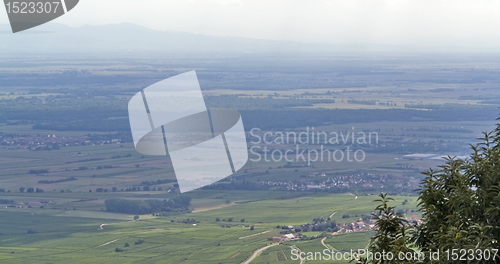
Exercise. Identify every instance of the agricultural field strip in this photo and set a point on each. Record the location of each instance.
(256, 234)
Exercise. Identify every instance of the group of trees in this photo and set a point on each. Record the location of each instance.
(157, 182)
(131, 189)
(38, 171)
(138, 242)
(460, 205)
(57, 181)
(180, 204)
(237, 185)
(30, 190)
(227, 219)
(330, 226)
(318, 224)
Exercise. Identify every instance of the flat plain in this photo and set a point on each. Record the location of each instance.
(65, 133)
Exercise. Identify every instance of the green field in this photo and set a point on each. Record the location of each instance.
(74, 236)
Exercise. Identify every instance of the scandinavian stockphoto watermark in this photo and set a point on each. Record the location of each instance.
(170, 118)
(205, 145)
(26, 14)
(310, 146)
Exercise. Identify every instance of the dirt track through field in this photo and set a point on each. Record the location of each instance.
(323, 242)
(208, 208)
(257, 252)
(256, 234)
(300, 251)
(107, 243)
(333, 214)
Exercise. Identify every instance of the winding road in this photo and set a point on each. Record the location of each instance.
(323, 242)
(333, 214)
(257, 252)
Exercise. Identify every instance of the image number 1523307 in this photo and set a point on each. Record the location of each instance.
(33, 7)
(31, 13)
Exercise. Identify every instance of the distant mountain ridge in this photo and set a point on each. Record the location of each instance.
(132, 39)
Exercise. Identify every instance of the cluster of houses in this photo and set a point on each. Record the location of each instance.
(360, 180)
(343, 228)
(285, 238)
(358, 226)
(28, 204)
(415, 219)
(49, 142)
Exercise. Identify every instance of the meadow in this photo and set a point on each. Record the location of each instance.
(67, 117)
(60, 237)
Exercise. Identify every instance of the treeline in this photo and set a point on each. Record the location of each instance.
(110, 115)
(6, 201)
(362, 102)
(68, 113)
(132, 189)
(177, 204)
(157, 182)
(330, 226)
(38, 171)
(57, 181)
(417, 147)
(85, 160)
(292, 118)
(103, 125)
(119, 156)
(244, 103)
(244, 185)
(318, 224)
(31, 190)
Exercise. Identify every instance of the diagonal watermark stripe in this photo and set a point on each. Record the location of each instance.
(170, 117)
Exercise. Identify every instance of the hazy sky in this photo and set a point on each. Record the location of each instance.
(424, 22)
